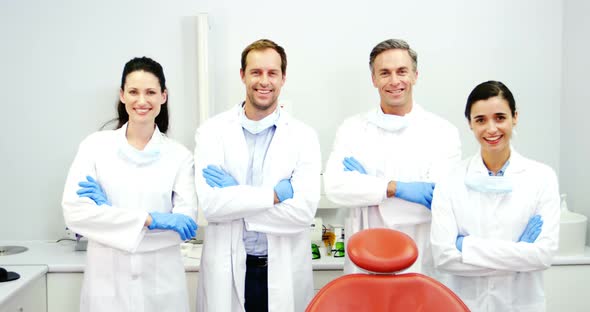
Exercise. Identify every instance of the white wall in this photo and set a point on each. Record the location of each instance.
(575, 150)
(61, 65)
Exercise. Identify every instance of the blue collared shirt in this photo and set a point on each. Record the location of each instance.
(255, 242)
(501, 171)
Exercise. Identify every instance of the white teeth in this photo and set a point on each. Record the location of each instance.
(264, 91)
(142, 110)
(493, 138)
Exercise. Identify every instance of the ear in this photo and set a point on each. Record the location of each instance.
(515, 119)
(415, 77)
(164, 96)
(121, 96)
(242, 75)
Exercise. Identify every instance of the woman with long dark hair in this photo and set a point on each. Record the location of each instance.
(131, 192)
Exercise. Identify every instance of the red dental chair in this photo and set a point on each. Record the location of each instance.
(384, 252)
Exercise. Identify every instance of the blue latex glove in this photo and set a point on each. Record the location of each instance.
(216, 177)
(284, 190)
(459, 242)
(182, 224)
(92, 190)
(532, 230)
(351, 164)
(416, 192)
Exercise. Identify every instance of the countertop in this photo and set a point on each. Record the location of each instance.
(61, 257)
(28, 273)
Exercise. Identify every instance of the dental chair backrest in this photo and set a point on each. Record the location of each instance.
(384, 252)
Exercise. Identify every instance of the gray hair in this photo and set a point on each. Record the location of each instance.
(390, 44)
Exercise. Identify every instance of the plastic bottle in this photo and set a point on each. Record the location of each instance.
(339, 250)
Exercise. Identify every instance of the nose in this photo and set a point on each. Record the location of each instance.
(141, 99)
(394, 79)
(264, 79)
(492, 127)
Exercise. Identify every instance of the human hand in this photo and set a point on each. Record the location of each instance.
(92, 190)
(284, 190)
(182, 224)
(416, 192)
(532, 230)
(459, 242)
(351, 164)
(216, 177)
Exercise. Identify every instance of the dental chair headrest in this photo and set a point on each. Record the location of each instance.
(382, 250)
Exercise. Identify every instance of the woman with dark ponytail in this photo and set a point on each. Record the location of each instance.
(131, 192)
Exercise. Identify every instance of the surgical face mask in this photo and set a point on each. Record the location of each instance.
(257, 126)
(147, 156)
(391, 123)
(489, 184)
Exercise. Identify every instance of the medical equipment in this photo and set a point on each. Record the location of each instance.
(351, 164)
(459, 242)
(182, 224)
(572, 231)
(416, 192)
(489, 184)
(385, 252)
(284, 190)
(216, 177)
(92, 190)
(329, 239)
(339, 246)
(532, 230)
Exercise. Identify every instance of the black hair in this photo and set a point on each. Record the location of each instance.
(486, 90)
(145, 64)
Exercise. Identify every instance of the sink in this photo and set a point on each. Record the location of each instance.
(11, 250)
(572, 231)
(572, 234)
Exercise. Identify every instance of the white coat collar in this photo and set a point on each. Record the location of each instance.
(517, 163)
(282, 120)
(149, 154)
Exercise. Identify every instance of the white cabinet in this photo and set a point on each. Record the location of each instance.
(63, 291)
(321, 278)
(32, 298)
(566, 288)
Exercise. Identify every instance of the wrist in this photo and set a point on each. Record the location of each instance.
(148, 220)
(391, 189)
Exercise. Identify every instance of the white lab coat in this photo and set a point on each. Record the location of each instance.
(495, 272)
(293, 152)
(129, 268)
(424, 151)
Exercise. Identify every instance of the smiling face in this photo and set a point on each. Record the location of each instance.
(263, 79)
(491, 121)
(394, 76)
(142, 96)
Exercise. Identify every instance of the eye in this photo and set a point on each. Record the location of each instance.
(501, 118)
(403, 72)
(151, 92)
(133, 92)
(383, 74)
